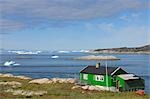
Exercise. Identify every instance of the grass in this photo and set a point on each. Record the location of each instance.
(63, 91)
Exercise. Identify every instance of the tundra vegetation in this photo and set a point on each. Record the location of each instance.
(20, 87)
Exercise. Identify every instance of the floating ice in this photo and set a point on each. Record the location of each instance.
(25, 52)
(11, 63)
(63, 52)
(54, 56)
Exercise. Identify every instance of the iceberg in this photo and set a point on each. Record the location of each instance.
(11, 63)
(54, 56)
(63, 52)
(25, 52)
(84, 51)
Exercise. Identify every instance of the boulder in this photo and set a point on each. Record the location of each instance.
(76, 86)
(85, 87)
(23, 77)
(140, 92)
(71, 80)
(10, 75)
(6, 75)
(63, 80)
(26, 93)
(11, 83)
(54, 80)
(92, 88)
(40, 81)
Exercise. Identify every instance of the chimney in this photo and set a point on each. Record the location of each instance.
(97, 65)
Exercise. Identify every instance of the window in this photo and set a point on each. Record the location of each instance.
(113, 79)
(99, 78)
(85, 76)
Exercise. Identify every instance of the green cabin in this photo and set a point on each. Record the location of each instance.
(115, 79)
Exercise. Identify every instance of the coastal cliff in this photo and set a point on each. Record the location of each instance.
(126, 50)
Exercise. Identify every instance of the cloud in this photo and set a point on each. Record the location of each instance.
(107, 27)
(9, 25)
(35, 12)
(131, 34)
(131, 17)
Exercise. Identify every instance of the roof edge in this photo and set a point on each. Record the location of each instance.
(115, 70)
(83, 69)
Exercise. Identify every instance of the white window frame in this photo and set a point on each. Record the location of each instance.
(85, 76)
(99, 78)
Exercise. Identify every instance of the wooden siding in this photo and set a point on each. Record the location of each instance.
(91, 80)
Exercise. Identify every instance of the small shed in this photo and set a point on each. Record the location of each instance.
(115, 79)
(129, 82)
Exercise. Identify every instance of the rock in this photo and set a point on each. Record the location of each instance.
(71, 80)
(54, 80)
(49, 82)
(140, 92)
(63, 80)
(40, 81)
(23, 77)
(60, 80)
(10, 75)
(17, 92)
(93, 57)
(85, 87)
(92, 88)
(26, 93)
(14, 84)
(40, 93)
(6, 75)
(75, 87)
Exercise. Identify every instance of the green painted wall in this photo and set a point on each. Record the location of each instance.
(125, 86)
(91, 80)
(122, 82)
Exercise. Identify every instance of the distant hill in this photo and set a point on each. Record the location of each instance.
(143, 49)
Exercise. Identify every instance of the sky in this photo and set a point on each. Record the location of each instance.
(73, 24)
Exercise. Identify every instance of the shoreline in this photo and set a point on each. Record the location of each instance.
(56, 88)
(101, 52)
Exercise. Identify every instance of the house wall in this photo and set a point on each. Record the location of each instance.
(91, 80)
(122, 82)
(126, 87)
(134, 85)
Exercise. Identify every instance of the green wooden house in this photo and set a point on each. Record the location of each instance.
(115, 79)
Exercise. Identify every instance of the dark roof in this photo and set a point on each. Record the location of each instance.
(135, 83)
(101, 70)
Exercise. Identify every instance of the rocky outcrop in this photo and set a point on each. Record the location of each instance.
(10, 75)
(14, 84)
(76, 86)
(96, 88)
(138, 50)
(40, 81)
(53, 80)
(26, 93)
(64, 80)
(93, 57)
(23, 77)
(6, 75)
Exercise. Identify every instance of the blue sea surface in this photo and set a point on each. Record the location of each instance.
(42, 65)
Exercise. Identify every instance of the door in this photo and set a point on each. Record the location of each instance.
(118, 86)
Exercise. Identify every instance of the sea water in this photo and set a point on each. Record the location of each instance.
(42, 65)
